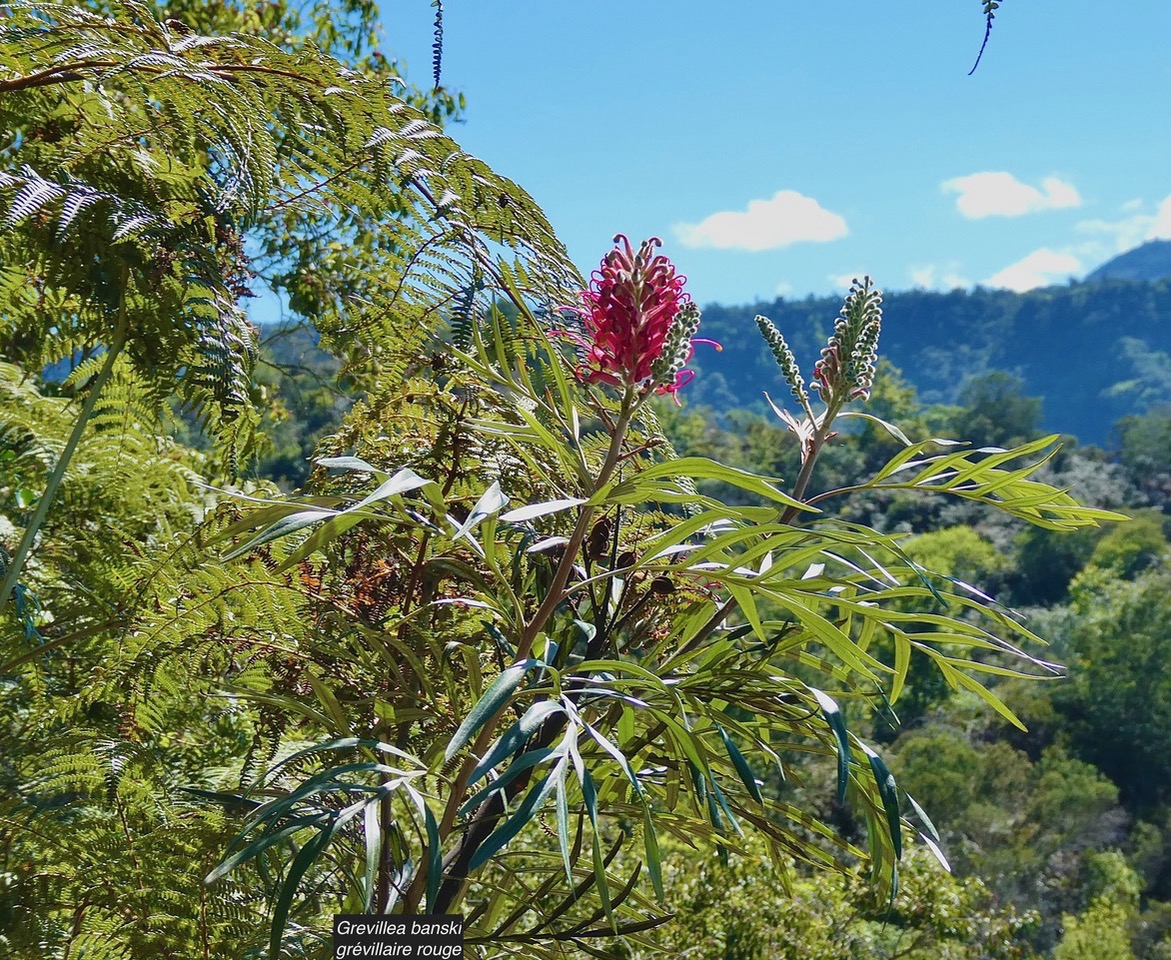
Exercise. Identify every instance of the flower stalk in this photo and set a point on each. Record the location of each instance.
(844, 372)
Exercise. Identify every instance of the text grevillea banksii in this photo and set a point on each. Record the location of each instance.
(638, 323)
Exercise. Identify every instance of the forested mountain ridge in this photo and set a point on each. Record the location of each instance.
(1151, 261)
(1094, 351)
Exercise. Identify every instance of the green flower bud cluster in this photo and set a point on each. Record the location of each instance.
(863, 312)
(849, 359)
(677, 348)
(783, 355)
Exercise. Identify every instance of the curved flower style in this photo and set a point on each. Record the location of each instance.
(638, 321)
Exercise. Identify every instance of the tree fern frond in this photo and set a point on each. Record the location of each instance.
(342, 152)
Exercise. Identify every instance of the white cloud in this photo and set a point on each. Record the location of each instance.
(1129, 232)
(1000, 194)
(936, 277)
(784, 288)
(843, 281)
(1160, 228)
(1039, 269)
(1119, 234)
(788, 218)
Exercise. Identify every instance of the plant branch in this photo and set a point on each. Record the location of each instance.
(16, 565)
(486, 815)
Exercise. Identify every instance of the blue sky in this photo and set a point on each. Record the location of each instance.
(780, 148)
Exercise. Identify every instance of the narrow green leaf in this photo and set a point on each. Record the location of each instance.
(625, 725)
(372, 832)
(837, 722)
(515, 737)
(349, 743)
(491, 501)
(532, 511)
(743, 769)
(601, 881)
(654, 860)
(698, 781)
(297, 869)
(987, 696)
(282, 528)
(404, 481)
(524, 762)
(922, 815)
(902, 664)
(514, 824)
(589, 794)
(349, 463)
(231, 802)
(696, 468)
(886, 425)
(262, 843)
(563, 819)
(936, 851)
(434, 858)
(618, 756)
(723, 802)
(494, 698)
(889, 791)
(842, 645)
(746, 599)
(904, 457)
(326, 533)
(327, 699)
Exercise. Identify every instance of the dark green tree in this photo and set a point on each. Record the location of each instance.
(1118, 704)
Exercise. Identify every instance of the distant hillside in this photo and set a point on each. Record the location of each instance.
(1151, 261)
(1094, 351)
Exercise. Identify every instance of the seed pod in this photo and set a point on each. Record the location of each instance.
(598, 543)
(627, 559)
(662, 585)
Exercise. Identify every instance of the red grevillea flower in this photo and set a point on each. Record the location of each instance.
(629, 314)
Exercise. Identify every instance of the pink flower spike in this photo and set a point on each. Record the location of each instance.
(627, 314)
